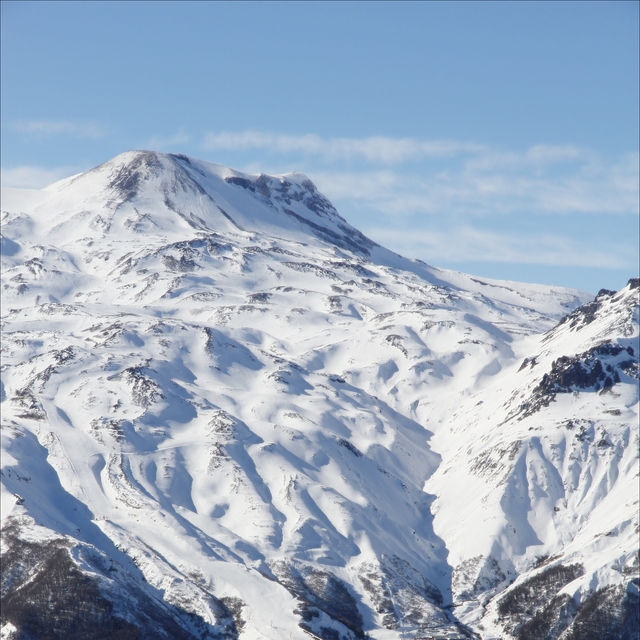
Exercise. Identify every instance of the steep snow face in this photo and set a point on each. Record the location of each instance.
(549, 456)
(221, 401)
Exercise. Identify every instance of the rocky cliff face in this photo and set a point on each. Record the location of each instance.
(227, 413)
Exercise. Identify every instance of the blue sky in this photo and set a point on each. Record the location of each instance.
(500, 139)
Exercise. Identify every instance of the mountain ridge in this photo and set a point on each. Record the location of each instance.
(263, 417)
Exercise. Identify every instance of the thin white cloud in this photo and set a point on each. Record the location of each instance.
(537, 158)
(47, 128)
(470, 179)
(376, 149)
(476, 189)
(31, 177)
(379, 188)
(464, 243)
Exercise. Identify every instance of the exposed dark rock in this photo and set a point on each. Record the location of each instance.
(631, 368)
(180, 156)
(354, 267)
(347, 445)
(401, 593)
(320, 590)
(581, 372)
(240, 182)
(476, 575)
(29, 405)
(496, 461)
(47, 596)
(127, 180)
(528, 362)
(587, 313)
(350, 239)
(335, 304)
(380, 596)
(263, 185)
(549, 622)
(260, 298)
(396, 341)
(216, 248)
(307, 267)
(144, 390)
(597, 369)
(583, 315)
(609, 614)
(279, 190)
(111, 426)
(181, 265)
(534, 606)
(234, 607)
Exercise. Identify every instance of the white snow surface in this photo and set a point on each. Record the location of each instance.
(216, 373)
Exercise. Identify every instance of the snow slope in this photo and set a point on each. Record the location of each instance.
(222, 402)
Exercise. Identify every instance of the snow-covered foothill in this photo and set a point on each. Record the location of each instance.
(228, 413)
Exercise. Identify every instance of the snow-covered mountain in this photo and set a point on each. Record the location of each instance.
(228, 413)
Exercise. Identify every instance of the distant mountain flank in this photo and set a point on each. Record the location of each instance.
(227, 413)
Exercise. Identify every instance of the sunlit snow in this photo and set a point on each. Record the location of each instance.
(214, 380)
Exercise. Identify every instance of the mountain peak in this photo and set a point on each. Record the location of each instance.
(225, 403)
(158, 192)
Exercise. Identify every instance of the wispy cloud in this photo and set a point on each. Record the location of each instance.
(477, 188)
(537, 158)
(31, 177)
(47, 128)
(376, 149)
(465, 242)
(415, 176)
